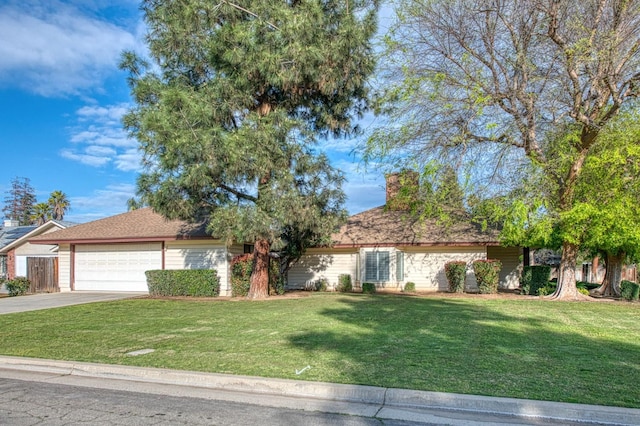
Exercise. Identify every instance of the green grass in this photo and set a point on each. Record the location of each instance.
(572, 352)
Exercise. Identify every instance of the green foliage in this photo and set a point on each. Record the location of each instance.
(583, 290)
(18, 286)
(487, 275)
(321, 284)
(228, 115)
(409, 287)
(629, 290)
(547, 289)
(456, 272)
(344, 283)
(368, 288)
(241, 269)
(533, 278)
(183, 282)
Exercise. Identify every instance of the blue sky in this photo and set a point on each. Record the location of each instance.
(62, 97)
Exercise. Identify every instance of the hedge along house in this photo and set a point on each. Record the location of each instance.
(113, 254)
(390, 247)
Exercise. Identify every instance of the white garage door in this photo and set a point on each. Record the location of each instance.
(115, 267)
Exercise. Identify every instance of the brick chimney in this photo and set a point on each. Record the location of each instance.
(402, 189)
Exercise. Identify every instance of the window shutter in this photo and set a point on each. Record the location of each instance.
(383, 266)
(399, 266)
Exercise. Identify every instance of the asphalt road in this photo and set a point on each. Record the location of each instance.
(26, 403)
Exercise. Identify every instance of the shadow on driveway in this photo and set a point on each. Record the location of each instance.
(34, 302)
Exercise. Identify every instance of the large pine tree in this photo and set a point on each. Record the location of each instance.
(228, 115)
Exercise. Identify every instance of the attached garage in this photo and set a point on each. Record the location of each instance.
(115, 267)
(113, 254)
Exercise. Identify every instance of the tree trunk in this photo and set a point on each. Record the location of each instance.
(260, 276)
(567, 289)
(613, 275)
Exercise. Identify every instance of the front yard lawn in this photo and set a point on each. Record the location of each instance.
(572, 352)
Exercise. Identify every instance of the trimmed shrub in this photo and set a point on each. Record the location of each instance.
(487, 275)
(456, 272)
(630, 290)
(534, 278)
(409, 287)
(318, 285)
(18, 286)
(344, 283)
(241, 268)
(368, 288)
(183, 282)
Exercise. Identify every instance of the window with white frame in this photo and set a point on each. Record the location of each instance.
(376, 266)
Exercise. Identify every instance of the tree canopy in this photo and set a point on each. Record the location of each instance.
(228, 115)
(491, 85)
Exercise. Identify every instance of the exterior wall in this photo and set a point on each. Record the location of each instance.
(425, 265)
(64, 267)
(511, 265)
(323, 263)
(11, 264)
(200, 255)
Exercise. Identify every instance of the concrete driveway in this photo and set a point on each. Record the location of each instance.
(34, 302)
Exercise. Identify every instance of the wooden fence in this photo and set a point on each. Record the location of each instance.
(43, 274)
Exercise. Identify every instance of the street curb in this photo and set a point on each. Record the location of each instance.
(388, 400)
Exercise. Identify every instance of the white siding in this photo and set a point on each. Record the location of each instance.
(425, 265)
(64, 267)
(327, 264)
(511, 265)
(200, 255)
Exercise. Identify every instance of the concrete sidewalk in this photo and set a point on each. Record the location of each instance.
(369, 401)
(34, 302)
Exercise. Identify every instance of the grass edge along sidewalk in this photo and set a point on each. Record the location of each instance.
(367, 401)
(532, 349)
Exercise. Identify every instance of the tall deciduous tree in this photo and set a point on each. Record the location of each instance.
(19, 201)
(239, 93)
(606, 214)
(491, 81)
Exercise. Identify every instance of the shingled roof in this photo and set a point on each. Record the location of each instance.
(137, 225)
(383, 227)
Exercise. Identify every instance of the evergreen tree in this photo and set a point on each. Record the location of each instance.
(19, 201)
(228, 117)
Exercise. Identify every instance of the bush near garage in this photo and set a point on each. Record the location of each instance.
(18, 286)
(184, 282)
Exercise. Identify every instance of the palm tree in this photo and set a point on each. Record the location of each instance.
(59, 205)
(41, 214)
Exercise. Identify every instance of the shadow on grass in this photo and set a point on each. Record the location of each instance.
(524, 349)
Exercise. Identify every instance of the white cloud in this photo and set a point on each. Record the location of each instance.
(101, 203)
(56, 49)
(99, 140)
